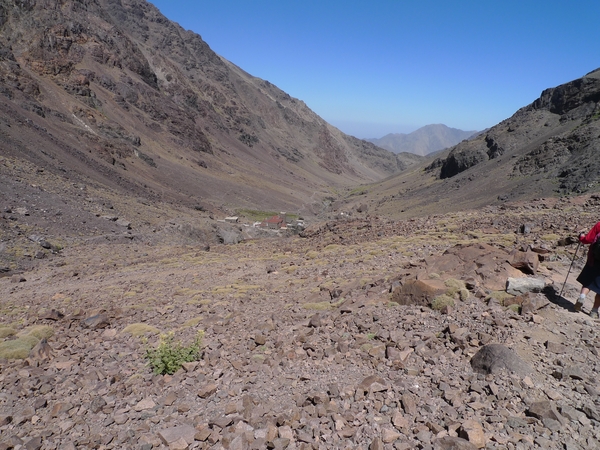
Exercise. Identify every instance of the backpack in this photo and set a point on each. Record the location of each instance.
(595, 250)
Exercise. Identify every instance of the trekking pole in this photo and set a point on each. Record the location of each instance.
(574, 256)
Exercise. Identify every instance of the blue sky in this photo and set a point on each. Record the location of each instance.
(392, 66)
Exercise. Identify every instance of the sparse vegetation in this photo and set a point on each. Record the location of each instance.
(6, 331)
(168, 357)
(256, 215)
(20, 347)
(192, 322)
(500, 296)
(441, 301)
(140, 329)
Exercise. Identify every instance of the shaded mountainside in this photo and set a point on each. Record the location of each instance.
(114, 93)
(425, 140)
(547, 148)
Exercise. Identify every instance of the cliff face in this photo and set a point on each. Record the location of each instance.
(113, 91)
(558, 135)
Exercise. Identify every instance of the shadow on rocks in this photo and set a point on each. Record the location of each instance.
(552, 294)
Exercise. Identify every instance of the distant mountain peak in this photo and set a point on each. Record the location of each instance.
(428, 139)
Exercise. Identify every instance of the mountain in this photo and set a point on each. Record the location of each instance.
(548, 148)
(112, 92)
(425, 140)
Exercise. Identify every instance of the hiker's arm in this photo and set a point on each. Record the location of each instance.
(590, 237)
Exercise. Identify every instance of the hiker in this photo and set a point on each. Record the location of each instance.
(590, 274)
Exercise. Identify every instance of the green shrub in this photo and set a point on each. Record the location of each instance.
(169, 356)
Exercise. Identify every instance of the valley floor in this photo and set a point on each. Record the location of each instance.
(302, 346)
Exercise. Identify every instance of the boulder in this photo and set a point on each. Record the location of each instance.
(517, 286)
(527, 262)
(493, 358)
(418, 292)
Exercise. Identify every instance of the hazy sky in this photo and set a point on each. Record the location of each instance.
(392, 66)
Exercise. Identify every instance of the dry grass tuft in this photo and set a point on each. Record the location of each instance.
(15, 349)
(37, 331)
(7, 331)
(139, 329)
(319, 306)
(193, 322)
(500, 296)
(441, 301)
(26, 339)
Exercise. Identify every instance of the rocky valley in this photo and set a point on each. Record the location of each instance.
(148, 300)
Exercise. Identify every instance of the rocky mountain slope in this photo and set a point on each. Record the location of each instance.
(548, 148)
(425, 140)
(364, 333)
(438, 332)
(111, 92)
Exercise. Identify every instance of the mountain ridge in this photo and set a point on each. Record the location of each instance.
(546, 149)
(423, 141)
(148, 107)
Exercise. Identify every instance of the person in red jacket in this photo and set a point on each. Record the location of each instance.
(590, 274)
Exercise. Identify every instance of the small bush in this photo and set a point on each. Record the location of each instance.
(38, 331)
(501, 296)
(26, 339)
(440, 301)
(312, 254)
(15, 349)
(515, 308)
(169, 356)
(454, 286)
(6, 331)
(463, 294)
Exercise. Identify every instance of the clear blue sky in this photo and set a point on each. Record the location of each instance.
(392, 66)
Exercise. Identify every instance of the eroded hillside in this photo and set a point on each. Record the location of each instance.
(115, 93)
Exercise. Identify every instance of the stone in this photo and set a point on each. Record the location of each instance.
(533, 303)
(399, 421)
(493, 358)
(453, 443)
(315, 321)
(545, 410)
(418, 292)
(144, 405)
(376, 444)
(207, 390)
(518, 286)
(389, 435)
(557, 348)
(472, 431)
(179, 444)
(183, 433)
(527, 262)
(409, 403)
(95, 322)
(33, 444)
